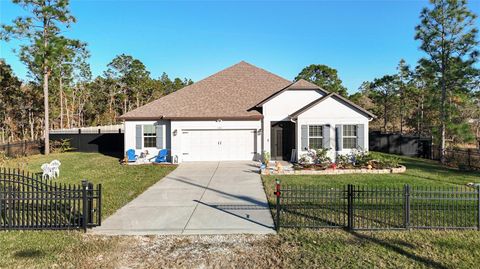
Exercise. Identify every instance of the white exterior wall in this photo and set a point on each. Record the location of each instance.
(332, 112)
(129, 136)
(179, 126)
(174, 142)
(280, 107)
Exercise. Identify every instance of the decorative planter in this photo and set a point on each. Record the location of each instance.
(330, 171)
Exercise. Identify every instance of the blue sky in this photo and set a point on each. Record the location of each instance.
(361, 39)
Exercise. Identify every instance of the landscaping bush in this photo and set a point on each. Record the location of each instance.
(60, 146)
(314, 159)
(318, 160)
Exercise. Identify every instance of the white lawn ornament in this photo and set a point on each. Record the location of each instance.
(47, 171)
(55, 167)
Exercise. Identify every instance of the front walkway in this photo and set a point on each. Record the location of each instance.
(197, 198)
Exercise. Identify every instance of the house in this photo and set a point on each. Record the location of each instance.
(242, 111)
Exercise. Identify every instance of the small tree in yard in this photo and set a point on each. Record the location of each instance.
(449, 37)
(42, 31)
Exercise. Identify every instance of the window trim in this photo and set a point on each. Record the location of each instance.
(314, 136)
(350, 136)
(149, 136)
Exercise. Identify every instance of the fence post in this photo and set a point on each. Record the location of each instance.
(469, 153)
(350, 207)
(8, 149)
(85, 205)
(277, 194)
(478, 208)
(90, 195)
(99, 204)
(406, 193)
(10, 206)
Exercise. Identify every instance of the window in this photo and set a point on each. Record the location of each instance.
(315, 136)
(149, 136)
(349, 136)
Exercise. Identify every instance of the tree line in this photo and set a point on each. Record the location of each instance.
(125, 85)
(60, 91)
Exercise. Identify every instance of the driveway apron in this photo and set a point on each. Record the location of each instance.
(197, 198)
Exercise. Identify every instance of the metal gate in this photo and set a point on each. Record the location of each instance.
(29, 202)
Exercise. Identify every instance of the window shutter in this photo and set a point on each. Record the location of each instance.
(339, 137)
(361, 137)
(304, 129)
(326, 136)
(138, 136)
(159, 132)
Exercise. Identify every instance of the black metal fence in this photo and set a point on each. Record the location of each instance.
(29, 202)
(22, 148)
(372, 208)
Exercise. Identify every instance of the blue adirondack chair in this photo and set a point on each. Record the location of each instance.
(161, 157)
(131, 156)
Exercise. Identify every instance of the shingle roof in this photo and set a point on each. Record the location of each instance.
(228, 94)
(297, 85)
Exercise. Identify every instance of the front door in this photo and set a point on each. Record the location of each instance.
(282, 140)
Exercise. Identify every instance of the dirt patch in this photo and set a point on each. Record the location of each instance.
(206, 251)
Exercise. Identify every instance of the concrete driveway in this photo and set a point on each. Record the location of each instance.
(197, 198)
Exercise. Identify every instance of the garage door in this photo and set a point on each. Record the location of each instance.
(218, 145)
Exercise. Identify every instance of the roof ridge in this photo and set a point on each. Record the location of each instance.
(263, 70)
(249, 82)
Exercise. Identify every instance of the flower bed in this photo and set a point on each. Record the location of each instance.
(330, 171)
(316, 162)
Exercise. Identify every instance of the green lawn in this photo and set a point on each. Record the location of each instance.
(380, 249)
(120, 184)
(419, 172)
(336, 248)
(291, 248)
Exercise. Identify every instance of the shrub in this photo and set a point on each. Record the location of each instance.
(60, 146)
(266, 157)
(380, 161)
(315, 156)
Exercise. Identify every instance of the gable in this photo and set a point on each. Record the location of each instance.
(333, 108)
(289, 101)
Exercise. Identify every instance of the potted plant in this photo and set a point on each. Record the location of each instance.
(266, 158)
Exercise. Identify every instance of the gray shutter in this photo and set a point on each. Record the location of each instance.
(339, 137)
(326, 136)
(138, 136)
(304, 129)
(159, 133)
(361, 136)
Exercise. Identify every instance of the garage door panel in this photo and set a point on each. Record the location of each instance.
(219, 145)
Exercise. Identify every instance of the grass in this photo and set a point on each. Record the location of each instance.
(420, 172)
(381, 249)
(337, 248)
(120, 184)
(291, 248)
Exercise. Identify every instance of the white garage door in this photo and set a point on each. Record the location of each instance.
(218, 145)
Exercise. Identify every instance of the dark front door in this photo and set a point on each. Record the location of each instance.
(282, 140)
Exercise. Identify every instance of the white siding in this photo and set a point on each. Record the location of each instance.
(283, 105)
(130, 136)
(174, 142)
(332, 112)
